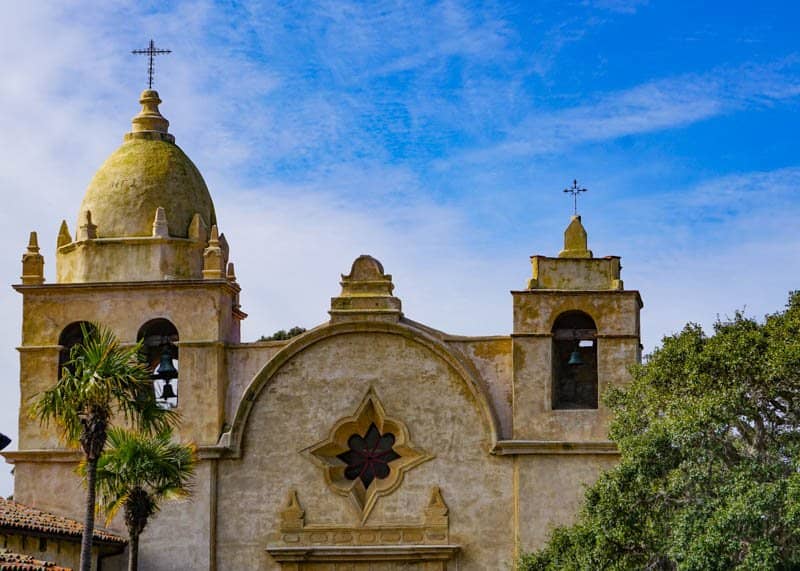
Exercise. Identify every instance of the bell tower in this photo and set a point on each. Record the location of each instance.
(576, 330)
(147, 260)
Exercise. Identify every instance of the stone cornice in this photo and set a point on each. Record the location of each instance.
(127, 285)
(365, 553)
(525, 447)
(580, 292)
(74, 456)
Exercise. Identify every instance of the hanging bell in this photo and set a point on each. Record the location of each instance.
(167, 392)
(166, 370)
(575, 358)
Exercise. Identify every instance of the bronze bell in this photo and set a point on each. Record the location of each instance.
(575, 358)
(167, 392)
(166, 369)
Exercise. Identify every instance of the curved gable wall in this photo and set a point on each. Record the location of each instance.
(295, 405)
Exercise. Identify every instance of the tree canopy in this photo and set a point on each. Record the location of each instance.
(709, 471)
(283, 335)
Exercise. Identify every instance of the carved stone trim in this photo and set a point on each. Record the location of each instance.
(369, 553)
(325, 454)
(427, 541)
(515, 447)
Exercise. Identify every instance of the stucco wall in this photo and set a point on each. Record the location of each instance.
(325, 383)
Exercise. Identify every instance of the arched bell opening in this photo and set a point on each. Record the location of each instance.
(159, 338)
(71, 335)
(574, 361)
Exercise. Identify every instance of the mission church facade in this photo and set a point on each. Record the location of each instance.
(370, 442)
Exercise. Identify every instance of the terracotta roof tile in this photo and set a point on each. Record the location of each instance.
(19, 516)
(10, 561)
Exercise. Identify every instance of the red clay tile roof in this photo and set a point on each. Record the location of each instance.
(14, 515)
(17, 562)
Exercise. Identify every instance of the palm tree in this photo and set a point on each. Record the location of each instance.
(137, 472)
(102, 382)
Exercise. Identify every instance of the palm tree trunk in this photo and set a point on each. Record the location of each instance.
(133, 551)
(88, 520)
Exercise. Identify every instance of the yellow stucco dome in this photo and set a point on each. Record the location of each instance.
(149, 170)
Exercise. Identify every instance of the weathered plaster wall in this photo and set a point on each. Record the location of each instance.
(551, 490)
(145, 259)
(325, 383)
(491, 357)
(50, 486)
(180, 535)
(244, 361)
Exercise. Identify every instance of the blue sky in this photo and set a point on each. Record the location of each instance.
(436, 136)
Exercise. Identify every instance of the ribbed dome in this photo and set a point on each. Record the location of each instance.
(146, 172)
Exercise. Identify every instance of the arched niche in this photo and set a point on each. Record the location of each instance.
(574, 361)
(71, 335)
(159, 338)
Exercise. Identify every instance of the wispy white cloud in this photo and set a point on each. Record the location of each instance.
(618, 6)
(650, 107)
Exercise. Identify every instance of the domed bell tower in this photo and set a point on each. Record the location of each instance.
(145, 259)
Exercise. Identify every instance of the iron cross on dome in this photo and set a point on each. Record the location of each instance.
(151, 52)
(575, 190)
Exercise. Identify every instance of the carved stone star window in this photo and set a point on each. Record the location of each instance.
(369, 456)
(366, 456)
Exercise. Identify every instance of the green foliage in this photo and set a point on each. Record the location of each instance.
(137, 472)
(101, 381)
(283, 335)
(709, 474)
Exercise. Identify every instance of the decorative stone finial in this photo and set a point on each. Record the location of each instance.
(213, 257)
(32, 263)
(226, 249)
(198, 231)
(86, 229)
(366, 293)
(575, 241)
(160, 228)
(231, 273)
(63, 235)
(292, 516)
(436, 512)
(149, 123)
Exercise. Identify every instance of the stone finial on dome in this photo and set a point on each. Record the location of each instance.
(198, 231)
(63, 235)
(150, 123)
(366, 293)
(160, 227)
(575, 241)
(87, 230)
(213, 257)
(32, 263)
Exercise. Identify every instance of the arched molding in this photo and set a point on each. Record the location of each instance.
(232, 440)
(577, 308)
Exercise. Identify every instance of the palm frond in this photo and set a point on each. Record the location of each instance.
(151, 463)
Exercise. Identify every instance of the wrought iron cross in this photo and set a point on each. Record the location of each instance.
(575, 191)
(151, 52)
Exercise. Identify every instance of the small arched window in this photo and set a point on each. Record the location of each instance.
(574, 361)
(71, 336)
(159, 339)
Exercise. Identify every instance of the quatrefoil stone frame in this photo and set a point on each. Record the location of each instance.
(325, 454)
